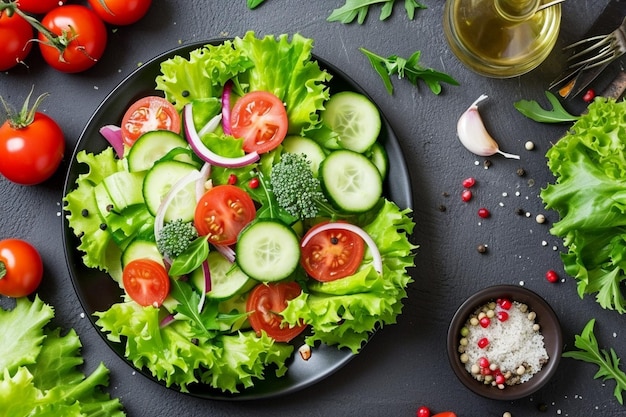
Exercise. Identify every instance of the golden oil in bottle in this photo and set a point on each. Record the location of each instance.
(501, 38)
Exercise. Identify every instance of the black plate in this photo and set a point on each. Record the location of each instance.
(97, 291)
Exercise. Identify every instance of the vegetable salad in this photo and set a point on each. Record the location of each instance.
(240, 286)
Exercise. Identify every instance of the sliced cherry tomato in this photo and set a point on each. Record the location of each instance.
(31, 146)
(16, 34)
(39, 6)
(146, 114)
(120, 12)
(332, 254)
(80, 38)
(264, 304)
(21, 268)
(146, 282)
(260, 119)
(222, 212)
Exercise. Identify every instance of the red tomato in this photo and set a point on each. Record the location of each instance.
(222, 212)
(16, 34)
(332, 254)
(120, 12)
(146, 282)
(146, 114)
(21, 268)
(81, 38)
(445, 414)
(39, 6)
(260, 119)
(30, 150)
(264, 304)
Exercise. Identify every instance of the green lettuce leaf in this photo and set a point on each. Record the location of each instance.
(201, 76)
(99, 249)
(589, 194)
(294, 78)
(345, 312)
(39, 368)
(179, 354)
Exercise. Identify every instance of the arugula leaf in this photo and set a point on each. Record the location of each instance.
(532, 110)
(358, 9)
(252, 4)
(407, 68)
(607, 361)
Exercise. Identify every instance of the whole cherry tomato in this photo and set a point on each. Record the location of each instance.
(120, 12)
(15, 34)
(31, 146)
(39, 6)
(21, 268)
(76, 41)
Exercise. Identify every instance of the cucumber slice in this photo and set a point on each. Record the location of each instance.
(141, 249)
(152, 146)
(158, 182)
(268, 250)
(354, 118)
(378, 156)
(351, 181)
(311, 149)
(124, 188)
(227, 279)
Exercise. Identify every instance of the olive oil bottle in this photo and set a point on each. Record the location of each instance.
(501, 38)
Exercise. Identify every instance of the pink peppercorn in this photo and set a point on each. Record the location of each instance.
(482, 343)
(483, 362)
(505, 303)
(503, 315)
(466, 195)
(469, 182)
(484, 322)
(483, 213)
(552, 276)
(423, 412)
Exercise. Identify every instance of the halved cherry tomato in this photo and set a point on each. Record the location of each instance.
(264, 304)
(120, 12)
(146, 114)
(260, 118)
(16, 34)
(21, 268)
(146, 282)
(222, 212)
(80, 38)
(332, 254)
(39, 6)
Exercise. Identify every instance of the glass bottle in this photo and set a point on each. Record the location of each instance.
(501, 38)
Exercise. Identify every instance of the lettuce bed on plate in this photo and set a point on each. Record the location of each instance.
(589, 164)
(212, 346)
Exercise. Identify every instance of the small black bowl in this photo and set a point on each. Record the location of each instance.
(550, 329)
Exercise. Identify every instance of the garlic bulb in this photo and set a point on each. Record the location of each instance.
(473, 134)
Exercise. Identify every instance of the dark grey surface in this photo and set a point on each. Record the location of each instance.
(405, 365)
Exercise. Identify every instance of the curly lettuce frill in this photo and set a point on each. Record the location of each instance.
(345, 312)
(589, 194)
(177, 355)
(82, 209)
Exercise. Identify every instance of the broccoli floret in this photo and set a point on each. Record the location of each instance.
(295, 187)
(175, 237)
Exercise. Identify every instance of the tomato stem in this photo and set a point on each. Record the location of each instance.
(60, 43)
(23, 118)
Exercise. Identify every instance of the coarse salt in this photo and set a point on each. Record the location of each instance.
(516, 346)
